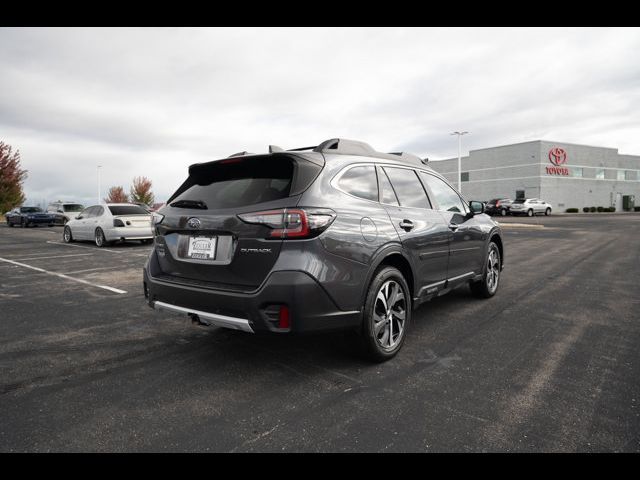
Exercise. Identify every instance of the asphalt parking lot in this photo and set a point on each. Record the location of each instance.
(552, 363)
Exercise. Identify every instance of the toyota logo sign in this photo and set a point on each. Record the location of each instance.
(557, 156)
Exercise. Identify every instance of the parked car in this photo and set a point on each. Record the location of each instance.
(498, 206)
(530, 207)
(108, 223)
(64, 211)
(337, 236)
(28, 216)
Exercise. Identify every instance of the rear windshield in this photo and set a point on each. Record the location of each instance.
(127, 210)
(73, 207)
(237, 182)
(30, 210)
(520, 200)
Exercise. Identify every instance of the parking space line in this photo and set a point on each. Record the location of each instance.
(83, 246)
(96, 249)
(62, 275)
(54, 256)
(92, 270)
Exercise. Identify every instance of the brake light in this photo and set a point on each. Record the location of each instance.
(498, 203)
(118, 223)
(292, 222)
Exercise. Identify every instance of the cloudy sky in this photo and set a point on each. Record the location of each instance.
(153, 101)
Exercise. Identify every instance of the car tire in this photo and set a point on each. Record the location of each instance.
(9, 224)
(530, 213)
(547, 212)
(488, 286)
(379, 340)
(147, 241)
(503, 212)
(100, 239)
(67, 235)
(24, 223)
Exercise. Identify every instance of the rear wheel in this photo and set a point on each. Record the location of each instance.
(9, 224)
(101, 241)
(503, 212)
(24, 223)
(488, 286)
(547, 212)
(387, 313)
(530, 213)
(67, 236)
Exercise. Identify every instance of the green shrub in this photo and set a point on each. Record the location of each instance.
(585, 209)
(572, 210)
(600, 209)
(636, 209)
(592, 209)
(610, 209)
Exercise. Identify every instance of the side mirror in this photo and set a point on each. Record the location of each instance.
(476, 207)
(60, 211)
(79, 217)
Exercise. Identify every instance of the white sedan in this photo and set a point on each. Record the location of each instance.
(110, 222)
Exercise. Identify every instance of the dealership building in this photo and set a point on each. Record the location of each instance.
(564, 174)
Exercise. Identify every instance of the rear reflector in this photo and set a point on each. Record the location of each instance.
(283, 317)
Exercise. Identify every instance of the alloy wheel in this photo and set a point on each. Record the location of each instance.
(493, 270)
(389, 314)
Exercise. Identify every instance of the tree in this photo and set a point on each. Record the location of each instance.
(141, 191)
(11, 178)
(116, 195)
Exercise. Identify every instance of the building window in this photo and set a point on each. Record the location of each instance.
(576, 171)
(630, 175)
(620, 174)
(464, 176)
(600, 173)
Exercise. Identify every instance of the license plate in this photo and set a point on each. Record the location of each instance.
(202, 248)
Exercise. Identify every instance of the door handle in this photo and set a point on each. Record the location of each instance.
(453, 226)
(406, 225)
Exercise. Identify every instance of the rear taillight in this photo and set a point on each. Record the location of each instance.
(498, 203)
(118, 223)
(292, 222)
(156, 218)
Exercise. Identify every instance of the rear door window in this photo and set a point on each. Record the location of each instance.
(407, 187)
(387, 195)
(360, 182)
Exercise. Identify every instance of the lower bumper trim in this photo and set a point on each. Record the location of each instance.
(207, 317)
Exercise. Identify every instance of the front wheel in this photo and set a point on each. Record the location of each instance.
(488, 286)
(503, 212)
(387, 313)
(25, 223)
(530, 213)
(67, 235)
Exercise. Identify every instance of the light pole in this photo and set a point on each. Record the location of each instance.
(99, 167)
(459, 134)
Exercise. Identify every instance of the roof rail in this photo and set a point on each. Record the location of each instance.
(344, 146)
(239, 154)
(275, 148)
(410, 157)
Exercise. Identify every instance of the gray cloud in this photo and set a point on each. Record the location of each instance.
(152, 101)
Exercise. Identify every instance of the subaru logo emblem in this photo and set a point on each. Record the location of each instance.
(194, 222)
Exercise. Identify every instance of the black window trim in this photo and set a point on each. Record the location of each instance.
(415, 172)
(336, 179)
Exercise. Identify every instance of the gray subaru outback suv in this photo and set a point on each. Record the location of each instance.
(337, 236)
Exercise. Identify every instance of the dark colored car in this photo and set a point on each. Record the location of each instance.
(27, 216)
(498, 206)
(337, 236)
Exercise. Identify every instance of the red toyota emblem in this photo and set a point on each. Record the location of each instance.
(557, 156)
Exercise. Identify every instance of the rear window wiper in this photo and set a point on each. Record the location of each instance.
(190, 204)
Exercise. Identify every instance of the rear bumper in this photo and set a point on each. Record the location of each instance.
(128, 233)
(310, 307)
